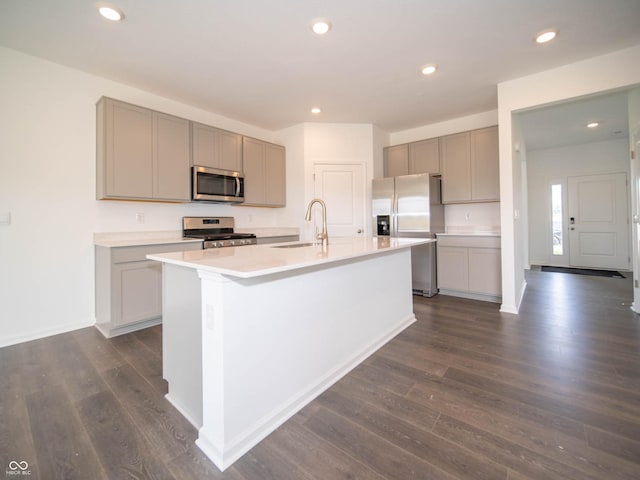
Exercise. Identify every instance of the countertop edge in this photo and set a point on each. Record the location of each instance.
(172, 258)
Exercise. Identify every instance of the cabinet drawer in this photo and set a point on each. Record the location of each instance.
(140, 252)
(472, 241)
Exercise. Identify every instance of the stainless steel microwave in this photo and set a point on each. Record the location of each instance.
(215, 185)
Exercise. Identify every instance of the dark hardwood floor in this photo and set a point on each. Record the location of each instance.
(464, 393)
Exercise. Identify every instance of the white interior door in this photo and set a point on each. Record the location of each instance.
(635, 210)
(598, 221)
(341, 187)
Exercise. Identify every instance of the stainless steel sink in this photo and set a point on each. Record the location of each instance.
(294, 245)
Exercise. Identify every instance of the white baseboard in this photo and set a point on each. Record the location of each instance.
(470, 295)
(47, 332)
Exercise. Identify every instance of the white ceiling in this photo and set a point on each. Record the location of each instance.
(258, 62)
(566, 123)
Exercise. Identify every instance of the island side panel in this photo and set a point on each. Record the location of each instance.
(182, 340)
(272, 344)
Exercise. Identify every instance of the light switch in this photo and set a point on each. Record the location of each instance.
(5, 218)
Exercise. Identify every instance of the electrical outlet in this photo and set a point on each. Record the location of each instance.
(5, 218)
(139, 217)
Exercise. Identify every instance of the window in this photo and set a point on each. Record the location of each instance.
(556, 219)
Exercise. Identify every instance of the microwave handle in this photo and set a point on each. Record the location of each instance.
(237, 187)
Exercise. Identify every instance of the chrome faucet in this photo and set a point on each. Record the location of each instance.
(323, 236)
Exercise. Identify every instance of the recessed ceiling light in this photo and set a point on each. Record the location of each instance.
(429, 69)
(546, 36)
(110, 12)
(320, 26)
(315, 110)
(592, 124)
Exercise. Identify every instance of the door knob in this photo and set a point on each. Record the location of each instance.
(359, 230)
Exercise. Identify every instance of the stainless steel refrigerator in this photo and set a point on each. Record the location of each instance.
(411, 206)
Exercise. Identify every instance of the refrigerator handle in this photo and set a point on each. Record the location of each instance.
(394, 216)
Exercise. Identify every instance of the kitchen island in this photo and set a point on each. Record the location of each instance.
(252, 334)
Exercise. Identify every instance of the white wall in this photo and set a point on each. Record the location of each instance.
(461, 124)
(339, 143)
(634, 146)
(472, 217)
(47, 184)
(552, 166)
(599, 74)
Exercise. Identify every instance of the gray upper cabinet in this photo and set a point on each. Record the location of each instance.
(468, 162)
(485, 167)
(410, 158)
(424, 156)
(171, 157)
(396, 160)
(216, 148)
(264, 173)
(456, 168)
(141, 154)
(470, 166)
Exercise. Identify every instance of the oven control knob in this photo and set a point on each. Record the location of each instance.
(232, 243)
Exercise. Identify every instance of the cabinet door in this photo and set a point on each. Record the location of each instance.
(456, 168)
(424, 156)
(230, 151)
(170, 157)
(485, 274)
(253, 153)
(275, 176)
(128, 150)
(137, 292)
(396, 160)
(453, 268)
(204, 145)
(485, 175)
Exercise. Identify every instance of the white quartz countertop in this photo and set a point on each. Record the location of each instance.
(259, 260)
(132, 239)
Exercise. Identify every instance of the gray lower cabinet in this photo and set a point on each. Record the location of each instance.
(470, 266)
(129, 287)
(141, 154)
(264, 173)
(216, 148)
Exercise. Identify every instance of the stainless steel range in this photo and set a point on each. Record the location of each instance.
(216, 232)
